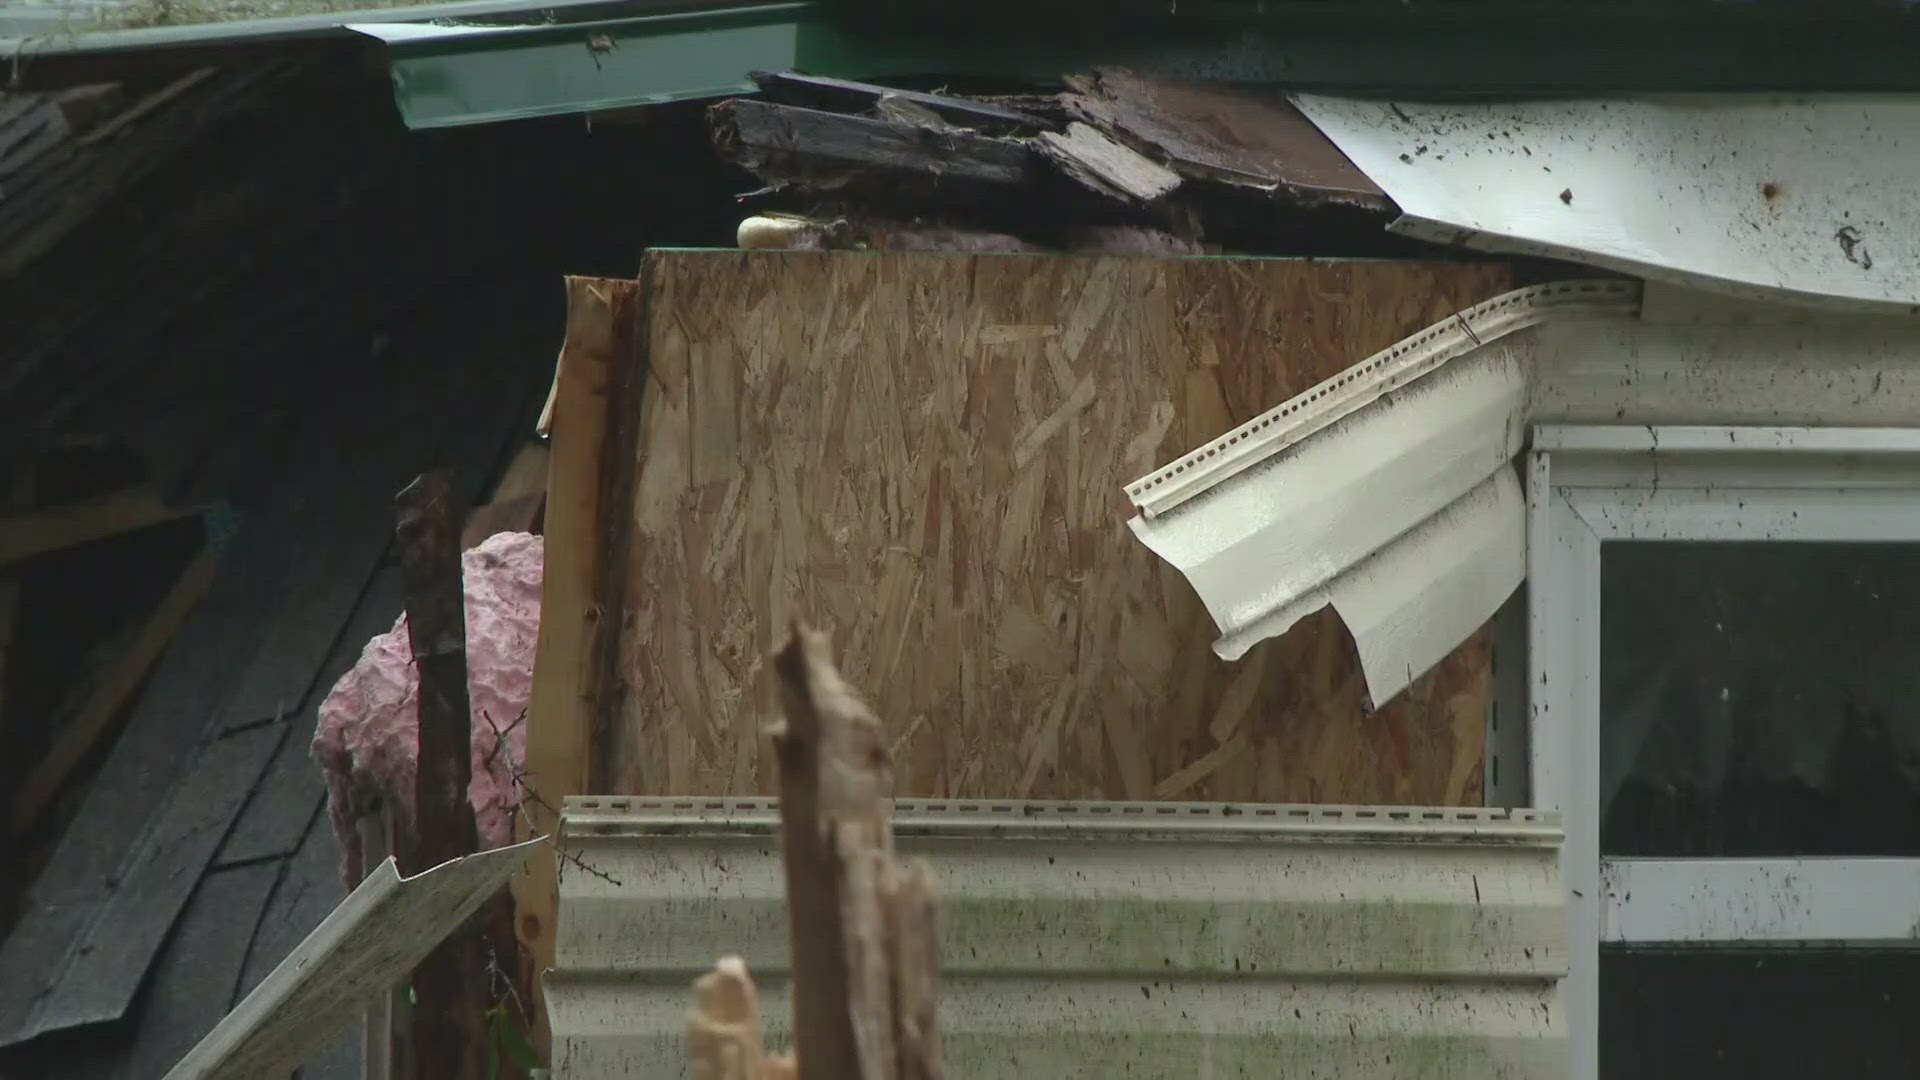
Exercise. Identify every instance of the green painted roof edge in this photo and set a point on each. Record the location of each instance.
(460, 75)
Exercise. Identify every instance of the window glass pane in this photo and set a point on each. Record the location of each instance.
(1790, 1014)
(1760, 699)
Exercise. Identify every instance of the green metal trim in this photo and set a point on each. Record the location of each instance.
(478, 77)
(449, 76)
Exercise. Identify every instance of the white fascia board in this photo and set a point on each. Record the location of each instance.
(1677, 439)
(1385, 491)
(1802, 199)
(1781, 901)
(1692, 366)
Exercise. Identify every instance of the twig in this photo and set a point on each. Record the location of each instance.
(517, 776)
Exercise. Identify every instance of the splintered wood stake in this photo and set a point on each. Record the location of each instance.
(723, 1031)
(866, 960)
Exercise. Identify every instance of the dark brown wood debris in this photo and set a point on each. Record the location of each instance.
(1157, 166)
(1101, 164)
(448, 1027)
(1249, 138)
(839, 95)
(826, 151)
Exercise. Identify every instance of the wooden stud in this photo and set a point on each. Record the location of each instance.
(36, 532)
(566, 665)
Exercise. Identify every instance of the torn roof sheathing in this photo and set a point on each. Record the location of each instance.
(1805, 199)
(1247, 137)
(1386, 491)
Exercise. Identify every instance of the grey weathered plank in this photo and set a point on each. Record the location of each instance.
(277, 816)
(278, 811)
(194, 978)
(259, 638)
(309, 891)
(88, 980)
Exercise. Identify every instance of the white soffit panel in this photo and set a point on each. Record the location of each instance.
(1385, 491)
(1695, 359)
(1151, 940)
(1804, 198)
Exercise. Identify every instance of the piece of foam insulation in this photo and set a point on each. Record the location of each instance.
(367, 740)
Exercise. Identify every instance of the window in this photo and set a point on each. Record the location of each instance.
(1724, 701)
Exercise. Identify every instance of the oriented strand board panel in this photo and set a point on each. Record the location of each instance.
(924, 454)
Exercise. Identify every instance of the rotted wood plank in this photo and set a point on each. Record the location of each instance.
(840, 95)
(785, 142)
(1102, 164)
(1246, 137)
(97, 974)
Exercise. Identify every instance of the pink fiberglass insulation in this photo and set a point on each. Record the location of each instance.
(367, 742)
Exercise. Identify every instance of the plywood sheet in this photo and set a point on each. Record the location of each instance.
(924, 454)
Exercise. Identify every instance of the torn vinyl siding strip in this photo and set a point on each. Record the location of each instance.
(1363, 383)
(1385, 491)
(1356, 512)
(1803, 199)
(1327, 505)
(1416, 600)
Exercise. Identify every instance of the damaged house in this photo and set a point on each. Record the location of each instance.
(1379, 539)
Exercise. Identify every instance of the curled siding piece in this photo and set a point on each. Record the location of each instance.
(1386, 491)
(1415, 601)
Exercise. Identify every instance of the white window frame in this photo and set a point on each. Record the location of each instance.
(1587, 485)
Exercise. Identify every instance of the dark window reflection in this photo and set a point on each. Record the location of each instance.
(1759, 1015)
(1760, 699)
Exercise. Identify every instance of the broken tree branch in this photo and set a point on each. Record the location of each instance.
(448, 1024)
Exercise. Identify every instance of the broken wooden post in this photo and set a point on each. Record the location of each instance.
(866, 963)
(449, 1034)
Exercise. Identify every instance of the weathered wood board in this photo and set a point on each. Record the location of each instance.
(924, 455)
